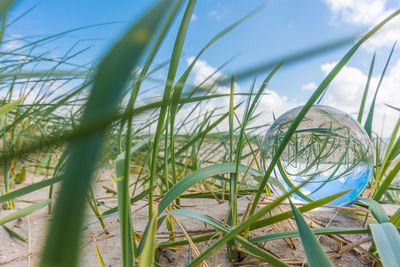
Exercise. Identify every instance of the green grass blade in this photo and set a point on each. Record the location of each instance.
(5, 6)
(368, 122)
(24, 212)
(173, 67)
(365, 94)
(190, 180)
(316, 231)
(387, 241)
(29, 189)
(9, 106)
(286, 215)
(132, 201)
(100, 260)
(149, 250)
(122, 172)
(240, 228)
(248, 247)
(376, 209)
(63, 242)
(388, 180)
(315, 254)
(14, 234)
(195, 177)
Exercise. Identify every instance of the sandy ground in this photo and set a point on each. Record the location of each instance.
(16, 253)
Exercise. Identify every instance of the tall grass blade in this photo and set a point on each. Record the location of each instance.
(315, 254)
(173, 67)
(62, 245)
(149, 250)
(365, 94)
(368, 122)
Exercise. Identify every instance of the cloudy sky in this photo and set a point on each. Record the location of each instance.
(279, 28)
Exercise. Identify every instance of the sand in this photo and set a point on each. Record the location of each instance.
(344, 249)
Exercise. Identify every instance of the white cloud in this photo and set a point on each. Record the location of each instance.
(367, 13)
(346, 90)
(271, 103)
(13, 42)
(202, 72)
(194, 17)
(309, 86)
(364, 12)
(214, 14)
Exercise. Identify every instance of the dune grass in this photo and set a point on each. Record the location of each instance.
(98, 120)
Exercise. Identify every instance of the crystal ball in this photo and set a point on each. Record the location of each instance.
(329, 150)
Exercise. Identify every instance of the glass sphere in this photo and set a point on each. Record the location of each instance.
(329, 149)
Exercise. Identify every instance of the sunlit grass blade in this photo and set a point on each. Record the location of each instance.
(9, 106)
(24, 212)
(365, 94)
(100, 260)
(368, 122)
(307, 207)
(250, 248)
(149, 250)
(122, 172)
(172, 70)
(315, 254)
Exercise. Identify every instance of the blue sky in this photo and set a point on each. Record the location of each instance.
(280, 27)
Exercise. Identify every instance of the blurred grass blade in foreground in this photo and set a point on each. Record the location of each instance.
(63, 241)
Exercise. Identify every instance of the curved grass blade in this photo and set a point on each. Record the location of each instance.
(376, 209)
(387, 241)
(190, 180)
(250, 248)
(197, 176)
(173, 67)
(243, 226)
(368, 122)
(315, 254)
(62, 246)
(393, 107)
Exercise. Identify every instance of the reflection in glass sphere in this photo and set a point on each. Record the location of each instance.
(328, 147)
